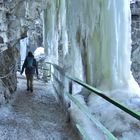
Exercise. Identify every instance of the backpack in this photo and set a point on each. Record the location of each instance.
(30, 62)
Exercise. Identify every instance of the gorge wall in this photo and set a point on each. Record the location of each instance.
(72, 38)
(18, 20)
(135, 28)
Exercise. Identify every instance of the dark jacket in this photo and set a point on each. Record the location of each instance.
(30, 70)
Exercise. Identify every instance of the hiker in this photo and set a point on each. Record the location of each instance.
(30, 66)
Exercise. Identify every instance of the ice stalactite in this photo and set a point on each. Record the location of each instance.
(23, 49)
(93, 39)
(50, 34)
(101, 29)
(116, 45)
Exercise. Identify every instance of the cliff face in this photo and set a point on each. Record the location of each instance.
(18, 19)
(9, 36)
(135, 57)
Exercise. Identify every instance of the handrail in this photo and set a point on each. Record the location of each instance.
(101, 94)
(82, 131)
(90, 116)
(108, 134)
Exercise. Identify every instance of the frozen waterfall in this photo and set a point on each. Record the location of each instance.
(115, 51)
(23, 49)
(93, 39)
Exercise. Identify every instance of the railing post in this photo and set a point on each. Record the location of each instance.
(68, 105)
(70, 86)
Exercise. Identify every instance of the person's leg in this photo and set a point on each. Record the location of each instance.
(31, 82)
(28, 79)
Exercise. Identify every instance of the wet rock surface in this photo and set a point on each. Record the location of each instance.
(135, 34)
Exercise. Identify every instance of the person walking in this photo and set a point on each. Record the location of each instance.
(30, 66)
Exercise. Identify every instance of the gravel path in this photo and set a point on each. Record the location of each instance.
(34, 116)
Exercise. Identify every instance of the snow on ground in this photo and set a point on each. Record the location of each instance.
(34, 116)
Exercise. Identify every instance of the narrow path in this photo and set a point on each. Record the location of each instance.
(34, 116)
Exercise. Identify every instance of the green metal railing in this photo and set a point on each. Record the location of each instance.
(90, 116)
(83, 132)
(84, 110)
(101, 94)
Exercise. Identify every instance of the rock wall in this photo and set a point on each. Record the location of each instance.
(8, 80)
(135, 57)
(10, 35)
(18, 19)
(33, 21)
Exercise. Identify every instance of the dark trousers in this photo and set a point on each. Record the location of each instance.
(29, 78)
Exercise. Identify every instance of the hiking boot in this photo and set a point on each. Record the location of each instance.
(31, 90)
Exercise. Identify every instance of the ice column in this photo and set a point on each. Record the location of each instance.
(23, 49)
(50, 33)
(116, 45)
